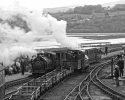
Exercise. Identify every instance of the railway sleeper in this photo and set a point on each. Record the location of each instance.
(109, 93)
(99, 82)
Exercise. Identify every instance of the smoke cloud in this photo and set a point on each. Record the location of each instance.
(9, 55)
(36, 24)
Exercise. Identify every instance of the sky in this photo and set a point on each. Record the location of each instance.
(40, 4)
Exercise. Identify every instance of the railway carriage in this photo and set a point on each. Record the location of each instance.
(93, 53)
(2, 83)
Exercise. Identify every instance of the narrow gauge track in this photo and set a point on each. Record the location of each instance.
(60, 92)
(62, 89)
(29, 80)
(115, 95)
(106, 92)
(93, 87)
(81, 92)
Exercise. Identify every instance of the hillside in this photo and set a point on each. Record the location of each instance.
(111, 4)
(55, 10)
(98, 20)
(64, 9)
(113, 22)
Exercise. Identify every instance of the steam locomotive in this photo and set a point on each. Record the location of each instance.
(66, 58)
(43, 63)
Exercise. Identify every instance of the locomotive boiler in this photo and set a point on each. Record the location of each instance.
(43, 63)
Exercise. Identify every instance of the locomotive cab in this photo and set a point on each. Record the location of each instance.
(76, 60)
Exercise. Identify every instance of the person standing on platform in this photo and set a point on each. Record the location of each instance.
(119, 56)
(116, 75)
(23, 65)
(18, 66)
(120, 63)
(106, 50)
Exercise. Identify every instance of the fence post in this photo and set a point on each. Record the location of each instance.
(112, 63)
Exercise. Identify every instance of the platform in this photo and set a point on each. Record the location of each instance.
(123, 77)
(111, 54)
(16, 76)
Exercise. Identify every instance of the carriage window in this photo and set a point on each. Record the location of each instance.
(76, 55)
(58, 56)
(87, 52)
(79, 53)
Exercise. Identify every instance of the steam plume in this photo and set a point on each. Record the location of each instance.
(8, 55)
(37, 25)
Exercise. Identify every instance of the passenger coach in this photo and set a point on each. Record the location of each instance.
(94, 54)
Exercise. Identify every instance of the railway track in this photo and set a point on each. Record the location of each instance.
(23, 81)
(114, 95)
(62, 89)
(83, 92)
(70, 86)
(95, 89)
(82, 89)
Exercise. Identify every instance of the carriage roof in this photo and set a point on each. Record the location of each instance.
(88, 48)
(56, 49)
